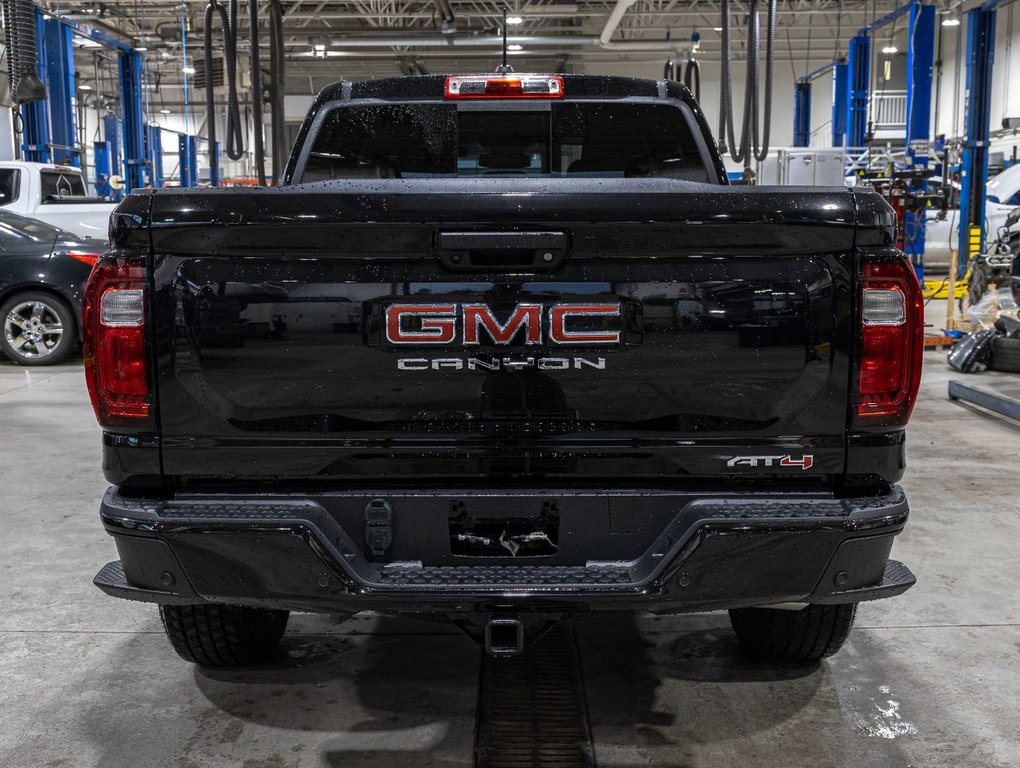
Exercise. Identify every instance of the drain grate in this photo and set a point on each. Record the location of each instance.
(532, 711)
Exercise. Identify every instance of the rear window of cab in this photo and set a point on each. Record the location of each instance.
(574, 139)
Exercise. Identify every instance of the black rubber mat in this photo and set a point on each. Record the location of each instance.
(532, 709)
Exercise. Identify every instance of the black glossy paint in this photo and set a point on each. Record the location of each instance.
(275, 382)
(32, 259)
(269, 332)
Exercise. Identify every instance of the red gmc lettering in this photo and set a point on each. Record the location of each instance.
(438, 323)
(527, 315)
(559, 333)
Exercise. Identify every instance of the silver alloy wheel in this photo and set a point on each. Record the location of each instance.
(33, 329)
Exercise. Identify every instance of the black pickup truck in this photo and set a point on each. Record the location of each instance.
(500, 350)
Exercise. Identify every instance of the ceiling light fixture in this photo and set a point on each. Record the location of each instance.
(84, 87)
(950, 22)
(513, 21)
(717, 29)
(164, 111)
(188, 70)
(889, 50)
(515, 47)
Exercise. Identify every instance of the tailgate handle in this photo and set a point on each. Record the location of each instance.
(488, 251)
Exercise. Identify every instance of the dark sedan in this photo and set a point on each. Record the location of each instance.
(42, 274)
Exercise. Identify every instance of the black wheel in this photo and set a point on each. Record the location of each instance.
(810, 634)
(36, 328)
(223, 635)
(1005, 355)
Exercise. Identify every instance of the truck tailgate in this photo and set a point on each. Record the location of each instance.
(539, 329)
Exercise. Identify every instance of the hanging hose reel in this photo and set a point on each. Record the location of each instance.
(22, 69)
(750, 147)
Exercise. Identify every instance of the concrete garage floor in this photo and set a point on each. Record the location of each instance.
(929, 679)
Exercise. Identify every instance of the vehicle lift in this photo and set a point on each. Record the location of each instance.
(851, 79)
(50, 127)
(977, 130)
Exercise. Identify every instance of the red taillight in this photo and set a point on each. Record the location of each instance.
(114, 342)
(85, 257)
(504, 87)
(891, 342)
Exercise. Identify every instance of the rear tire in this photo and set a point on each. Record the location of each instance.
(810, 634)
(1005, 355)
(37, 328)
(214, 635)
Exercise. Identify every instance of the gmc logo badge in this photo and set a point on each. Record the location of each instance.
(438, 324)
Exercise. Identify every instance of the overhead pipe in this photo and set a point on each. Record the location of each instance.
(615, 17)
(605, 40)
(496, 42)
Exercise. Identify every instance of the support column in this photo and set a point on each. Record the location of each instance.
(188, 160)
(802, 114)
(154, 152)
(859, 80)
(840, 99)
(977, 125)
(135, 175)
(111, 135)
(63, 98)
(102, 155)
(920, 63)
(215, 174)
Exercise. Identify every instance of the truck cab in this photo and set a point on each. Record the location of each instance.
(55, 194)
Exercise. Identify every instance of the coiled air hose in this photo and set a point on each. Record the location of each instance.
(234, 146)
(749, 147)
(256, 95)
(22, 70)
(692, 78)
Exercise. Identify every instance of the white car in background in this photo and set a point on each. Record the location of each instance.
(941, 235)
(55, 194)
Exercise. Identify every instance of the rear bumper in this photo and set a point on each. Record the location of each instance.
(673, 551)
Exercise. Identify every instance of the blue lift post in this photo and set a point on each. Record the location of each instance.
(188, 147)
(108, 158)
(802, 105)
(135, 165)
(802, 113)
(35, 116)
(214, 167)
(920, 63)
(977, 126)
(840, 99)
(101, 151)
(154, 152)
(63, 100)
(858, 83)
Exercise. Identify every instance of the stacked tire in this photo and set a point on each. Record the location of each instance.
(1005, 355)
